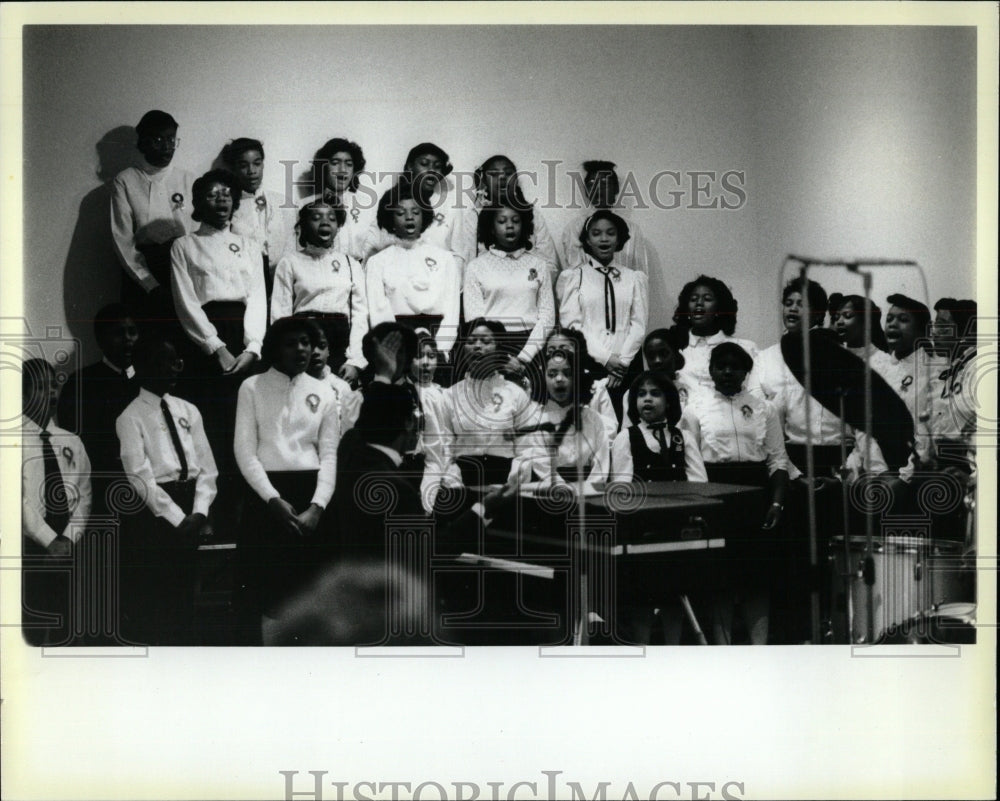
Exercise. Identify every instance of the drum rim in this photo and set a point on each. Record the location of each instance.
(898, 543)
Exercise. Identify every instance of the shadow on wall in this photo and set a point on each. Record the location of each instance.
(92, 276)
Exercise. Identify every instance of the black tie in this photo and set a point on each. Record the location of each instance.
(56, 501)
(610, 309)
(175, 438)
(657, 429)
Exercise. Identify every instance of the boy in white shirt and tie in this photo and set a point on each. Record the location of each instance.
(168, 461)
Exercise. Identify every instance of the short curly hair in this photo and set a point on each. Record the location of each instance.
(401, 191)
(727, 305)
(323, 155)
(281, 328)
(201, 185)
(339, 213)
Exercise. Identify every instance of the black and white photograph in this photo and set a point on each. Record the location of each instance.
(315, 504)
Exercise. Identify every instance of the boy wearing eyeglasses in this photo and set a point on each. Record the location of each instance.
(169, 463)
(150, 207)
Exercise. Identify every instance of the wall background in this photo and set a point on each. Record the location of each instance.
(854, 141)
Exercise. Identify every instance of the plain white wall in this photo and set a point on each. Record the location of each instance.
(854, 141)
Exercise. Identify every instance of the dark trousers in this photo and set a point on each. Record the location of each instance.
(158, 575)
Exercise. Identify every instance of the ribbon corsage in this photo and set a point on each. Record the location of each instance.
(67, 453)
(178, 200)
(312, 401)
(261, 202)
(234, 247)
(431, 264)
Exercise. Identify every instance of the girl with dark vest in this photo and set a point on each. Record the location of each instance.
(654, 448)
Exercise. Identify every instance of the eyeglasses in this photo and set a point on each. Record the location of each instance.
(160, 141)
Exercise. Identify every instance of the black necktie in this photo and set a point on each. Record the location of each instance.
(56, 500)
(175, 438)
(658, 429)
(610, 311)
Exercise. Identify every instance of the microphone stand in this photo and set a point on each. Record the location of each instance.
(869, 561)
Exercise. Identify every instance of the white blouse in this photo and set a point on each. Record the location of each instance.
(261, 218)
(623, 467)
(538, 457)
(420, 279)
(323, 280)
(514, 288)
(741, 428)
(212, 265)
(287, 424)
(611, 329)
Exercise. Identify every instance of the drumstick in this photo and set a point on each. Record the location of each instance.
(693, 620)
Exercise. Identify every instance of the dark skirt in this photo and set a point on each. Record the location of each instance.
(275, 565)
(482, 469)
(826, 458)
(158, 574)
(751, 552)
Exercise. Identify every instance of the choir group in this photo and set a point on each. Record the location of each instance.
(261, 370)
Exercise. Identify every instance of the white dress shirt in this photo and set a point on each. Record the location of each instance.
(261, 218)
(421, 279)
(149, 206)
(75, 468)
(741, 428)
(698, 353)
(581, 293)
(538, 457)
(150, 459)
(634, 255)
(323, 280)
(212, 265)
(623, 467)
(514, 288)
(287, 424)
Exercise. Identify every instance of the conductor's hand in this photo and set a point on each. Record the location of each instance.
(284, 513)
(387, 356)
(494, 500)
(309, 520)
(772, 518)
(616, 366)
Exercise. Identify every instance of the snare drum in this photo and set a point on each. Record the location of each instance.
(912, 575)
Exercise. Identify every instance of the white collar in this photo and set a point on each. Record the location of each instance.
(507, 254)
(151, 171)
(396, 457)
(694, 340)
(275, 375)
(128, 371)
(151, 397)
(210, 230)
